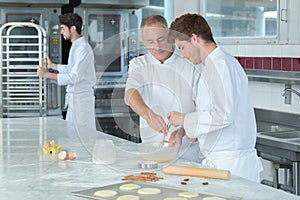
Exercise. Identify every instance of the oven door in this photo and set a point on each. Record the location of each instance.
(121, 125)
(104, 30)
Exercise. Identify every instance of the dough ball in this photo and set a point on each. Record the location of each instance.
(105, 193)
(213, 198)
(128, 197)
(130, 186)
(188, 194)
(149, 191)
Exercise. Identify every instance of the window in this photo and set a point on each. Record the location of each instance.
(242, 18)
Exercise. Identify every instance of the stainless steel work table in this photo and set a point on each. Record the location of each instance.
(26, 173)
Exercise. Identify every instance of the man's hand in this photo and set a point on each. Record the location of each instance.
(156, 122)
(176, 118)
(49, 64)
(41, 72)
(176, 136)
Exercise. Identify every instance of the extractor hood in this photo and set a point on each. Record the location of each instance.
(33, 3)
(116, 4)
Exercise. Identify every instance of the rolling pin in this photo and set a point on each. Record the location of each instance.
(198, 172)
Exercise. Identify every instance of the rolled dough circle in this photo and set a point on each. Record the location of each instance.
(149, 191)
(105, 193)
(188, 194)
(128, 197)
(130, 186)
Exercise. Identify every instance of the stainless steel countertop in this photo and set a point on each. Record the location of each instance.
(26, 173)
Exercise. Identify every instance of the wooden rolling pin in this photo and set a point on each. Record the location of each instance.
(198, 172)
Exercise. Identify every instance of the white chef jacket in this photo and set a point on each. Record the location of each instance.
(164, 88)
(80, 77)
(224, 122)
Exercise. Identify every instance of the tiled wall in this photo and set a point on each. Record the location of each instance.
(269, 95)
(270, 63)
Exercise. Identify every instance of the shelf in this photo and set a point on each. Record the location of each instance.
(273, 76)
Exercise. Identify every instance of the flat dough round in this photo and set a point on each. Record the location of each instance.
(188, 194)
(213, 198)
(128, 197)
(150, 191)
(105, 193)
(175, 198)
(130, 186)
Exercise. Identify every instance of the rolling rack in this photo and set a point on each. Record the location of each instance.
(22, 48)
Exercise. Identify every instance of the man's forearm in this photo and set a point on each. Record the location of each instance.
(136, 103)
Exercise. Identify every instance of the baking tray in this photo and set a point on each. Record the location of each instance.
(166, 191)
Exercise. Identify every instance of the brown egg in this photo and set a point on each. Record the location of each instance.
(72, 155)
(63, 155)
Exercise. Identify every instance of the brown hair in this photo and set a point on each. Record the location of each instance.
(71, 19)
(153, 19)
(183, 27)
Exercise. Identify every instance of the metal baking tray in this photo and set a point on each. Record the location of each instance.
(165, 192)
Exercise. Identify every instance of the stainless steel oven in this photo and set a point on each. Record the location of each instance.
(111, 27)
(23, 94)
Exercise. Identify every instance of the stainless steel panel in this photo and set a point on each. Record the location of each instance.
(272, 76)
(124, 4)
(29, 3)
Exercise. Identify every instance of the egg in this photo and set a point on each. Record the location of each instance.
(72, 155)
(63, 155)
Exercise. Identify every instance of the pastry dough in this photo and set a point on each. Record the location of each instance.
(130, 186)
(188, 194)
(175, 198)
(105, 193)
(213, 198)
(149, 191)
(128, 197)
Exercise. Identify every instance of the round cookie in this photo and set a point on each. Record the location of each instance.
(128, 197)
(149, 191)
(105, 193)
(130, 186)
(188, 194)
(175, 198)
(213, 198)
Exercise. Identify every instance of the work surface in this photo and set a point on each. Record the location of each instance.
(26, 173)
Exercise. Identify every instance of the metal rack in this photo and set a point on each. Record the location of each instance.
(22, 48)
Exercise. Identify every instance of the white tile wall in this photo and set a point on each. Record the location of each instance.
(269, 96)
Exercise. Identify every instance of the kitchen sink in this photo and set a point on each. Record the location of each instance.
(283, 134)
(266, 127)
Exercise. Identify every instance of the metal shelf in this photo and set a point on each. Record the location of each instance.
(273, 76)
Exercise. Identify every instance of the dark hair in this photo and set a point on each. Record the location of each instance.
(153, 19)
(71, 19)
(183, 27)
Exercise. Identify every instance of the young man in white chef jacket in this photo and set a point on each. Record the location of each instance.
(224, 122)
(159, 82)
(79, 74)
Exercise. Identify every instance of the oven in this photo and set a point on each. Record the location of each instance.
(22, 93)
(111, 27)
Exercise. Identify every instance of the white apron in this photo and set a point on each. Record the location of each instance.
(81, 109)
(244, 163)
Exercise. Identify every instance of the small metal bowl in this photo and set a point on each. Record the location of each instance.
(147, 165)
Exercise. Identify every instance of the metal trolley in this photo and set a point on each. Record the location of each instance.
(22, 48)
